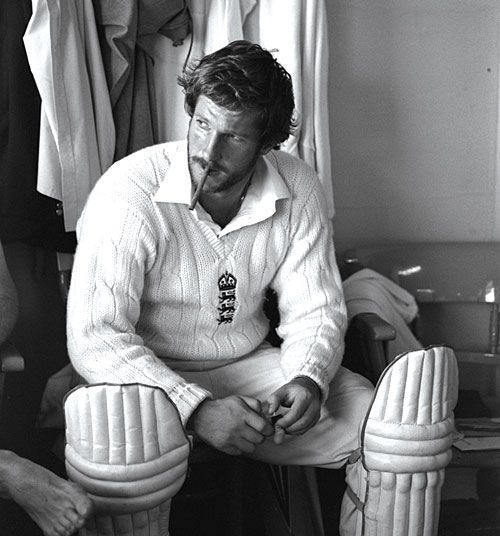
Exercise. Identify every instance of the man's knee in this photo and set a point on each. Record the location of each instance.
(350, 393)
(364, 399)
(405, 445)
(125, 446)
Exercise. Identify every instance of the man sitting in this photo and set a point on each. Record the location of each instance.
(178, 244)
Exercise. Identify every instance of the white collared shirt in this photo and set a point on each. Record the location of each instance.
(265, 189)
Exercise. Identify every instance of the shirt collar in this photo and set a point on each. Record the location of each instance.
(266, 188)
(176, 184)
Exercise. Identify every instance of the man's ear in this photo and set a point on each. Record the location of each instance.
(266, 148)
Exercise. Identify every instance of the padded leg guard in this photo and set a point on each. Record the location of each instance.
(126, 447)
(406, 443)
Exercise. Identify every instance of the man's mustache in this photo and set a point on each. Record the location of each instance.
(204, 164)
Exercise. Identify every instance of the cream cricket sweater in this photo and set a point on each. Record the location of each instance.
(152, 280)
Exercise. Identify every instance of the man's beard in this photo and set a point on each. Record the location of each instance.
(197, 166)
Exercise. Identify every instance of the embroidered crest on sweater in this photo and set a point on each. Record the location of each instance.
(227, 298)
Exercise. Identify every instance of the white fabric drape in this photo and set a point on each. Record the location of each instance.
(368, 291)
(297, 30)
(215, 24)
(77, 136)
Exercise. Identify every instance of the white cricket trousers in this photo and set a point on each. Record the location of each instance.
(328, 444)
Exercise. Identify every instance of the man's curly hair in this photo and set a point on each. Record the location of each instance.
(244, 76)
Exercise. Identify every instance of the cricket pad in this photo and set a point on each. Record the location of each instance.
(126, 447)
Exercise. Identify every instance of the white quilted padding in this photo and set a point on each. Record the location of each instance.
(406, 444)
(126, 447)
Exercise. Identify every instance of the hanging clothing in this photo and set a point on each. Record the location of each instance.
(218, 23)
(129, 69)
(77, 135)
(297, 31)
(171, 119)
(215, 24)
(25, 215)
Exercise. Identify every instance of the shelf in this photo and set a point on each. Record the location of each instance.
(475, 458)
(425, 299)
(477, 358)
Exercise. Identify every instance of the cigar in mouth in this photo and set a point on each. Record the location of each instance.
(199, 188)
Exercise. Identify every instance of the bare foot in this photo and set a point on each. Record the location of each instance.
(57, 506)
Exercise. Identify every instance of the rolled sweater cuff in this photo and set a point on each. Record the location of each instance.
(311, 382)
(314, 373)
(187, 397)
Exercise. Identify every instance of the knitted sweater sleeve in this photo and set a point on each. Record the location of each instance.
(311, 302)
(116, 248)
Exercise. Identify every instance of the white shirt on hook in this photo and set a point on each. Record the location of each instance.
(77, 135)
(215, 24)
(297, 31)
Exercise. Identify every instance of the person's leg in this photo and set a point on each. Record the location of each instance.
(126, 447)
(332, 440)
(58, 506)
(405, 446)
(329, 443)
(396, 482)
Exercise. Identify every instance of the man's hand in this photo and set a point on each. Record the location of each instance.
(234, 424)
(302, 397)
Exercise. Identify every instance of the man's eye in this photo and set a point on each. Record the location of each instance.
(202, 124)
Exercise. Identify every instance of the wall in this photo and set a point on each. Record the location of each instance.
(413, 101)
